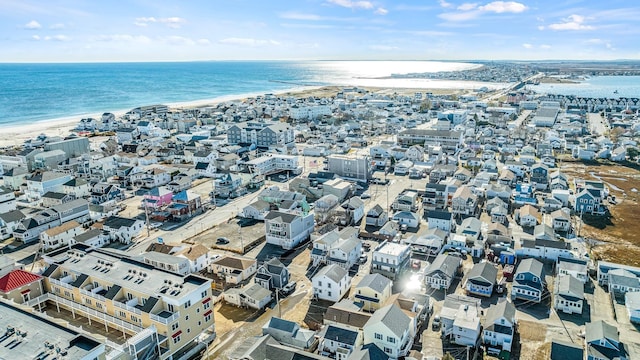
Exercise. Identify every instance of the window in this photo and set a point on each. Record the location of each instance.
(391, 339)
(186, 317)
(204, 294)
(329, 285)
(171, 308)
(134, 319)
(319, 283)
(329, 293)
(176, 339)
(122, 314)
(378, 336)
(174, 326)
(207, 318)
(388, 350)
(207, 305)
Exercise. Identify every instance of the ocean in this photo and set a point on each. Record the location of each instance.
(596, 87)
(36, 92)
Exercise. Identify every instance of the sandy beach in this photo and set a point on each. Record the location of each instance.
(15, 135)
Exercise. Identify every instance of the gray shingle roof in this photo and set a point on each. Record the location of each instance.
(393, 318)
(600, 329)
(333, 272)
(376, 282)
(484, 271)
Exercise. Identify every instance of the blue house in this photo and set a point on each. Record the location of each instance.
(603, 342)
(587, 202)
(540, 176)
(528, 281)
(482, 279)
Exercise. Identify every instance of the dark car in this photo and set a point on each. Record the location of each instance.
(222, 240)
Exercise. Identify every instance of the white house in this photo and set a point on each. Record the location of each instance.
(234, 269)
(287, 230)
(198, 256)
(391, 330)
(499, 326)
(442, 220)
(568, 295)
(331, 283)
(390, 259)
(122, 229)
(61, 235)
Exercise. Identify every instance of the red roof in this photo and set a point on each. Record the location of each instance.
(16, 279)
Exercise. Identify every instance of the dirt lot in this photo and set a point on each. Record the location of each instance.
(532, 340)
(620, 234)
(237, 235)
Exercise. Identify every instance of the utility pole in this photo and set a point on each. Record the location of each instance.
(146, 214)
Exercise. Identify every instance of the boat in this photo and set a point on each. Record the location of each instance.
(615, 91)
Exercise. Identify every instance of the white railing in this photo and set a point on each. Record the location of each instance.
(93, 295)
(60, 283)
(87, 311)
(127, 307)
(165, 321)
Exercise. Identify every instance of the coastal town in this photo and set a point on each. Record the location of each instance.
(349, 224)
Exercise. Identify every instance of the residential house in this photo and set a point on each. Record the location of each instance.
(540, 176)
(287, 230)
(51, 198)
(442, 220)
(20, 286)
(564, 350)
(528, 281)
(460, 318)
(481, 279)
(197, 255)
(256, 210)
(331, 283)
(568, 294)
(61, 235)
(234, 269)
(272, 274)
(7, 199)
(603, 342)
(408, 218)
(151, 178)
(157, 198)
(376, 216)
(406, 201)
(587, 203)
(622, 281)
(390, 329)
(347, 314)
(251, 296)
(528, 216)
(339, 341)
(390, 259)
(9, 222)
(573, 267)
(122, 229)
(499, 326)
(464, 202)
(43, 182)
(77, 187)
(95, 238)
(353, 211)
(289, 333)
(604, 267)
(632, 303)
(561, 220)
(206, 170)
(103, 192)
(372, 291)
(440, 273)
(185, 204)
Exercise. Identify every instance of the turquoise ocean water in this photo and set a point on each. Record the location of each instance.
(597, 87)
(36, 92)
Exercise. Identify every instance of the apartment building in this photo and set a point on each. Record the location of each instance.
(161, 313)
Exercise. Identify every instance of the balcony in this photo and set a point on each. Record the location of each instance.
(164, 317)
(60, 283)
(128, 306)
(86, 311)
(93, 294)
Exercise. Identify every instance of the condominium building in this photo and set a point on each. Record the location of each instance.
(350, 167)
(161, 313)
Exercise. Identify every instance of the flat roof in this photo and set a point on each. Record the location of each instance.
(38, 332)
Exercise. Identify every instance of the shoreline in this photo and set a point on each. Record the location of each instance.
(15, 135)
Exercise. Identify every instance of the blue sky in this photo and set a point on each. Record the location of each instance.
(162, 30)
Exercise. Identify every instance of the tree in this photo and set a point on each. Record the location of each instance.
(425, 105)
(632, 153)
(616, 133)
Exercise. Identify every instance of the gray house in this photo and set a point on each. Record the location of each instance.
(289, 333)
(272, 275)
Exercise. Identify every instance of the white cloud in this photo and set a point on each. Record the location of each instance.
(467, 6)
(383, 47)
(360, 4)
(540, 27)
(469, 11)
(545, 46)
(381, 11)
(247, 42)
(445, 4)
(122, 38)
(500, 7)
(32, 25)
(573, 22)
(527, 46)
(172, 22)
(301, 16)
(36, 37)
(56, 26)
(57, 38)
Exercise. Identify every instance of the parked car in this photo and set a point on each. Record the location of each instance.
(365, 195)
(222, 241)
(363, 258)
(435, 325)
(287, 289)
